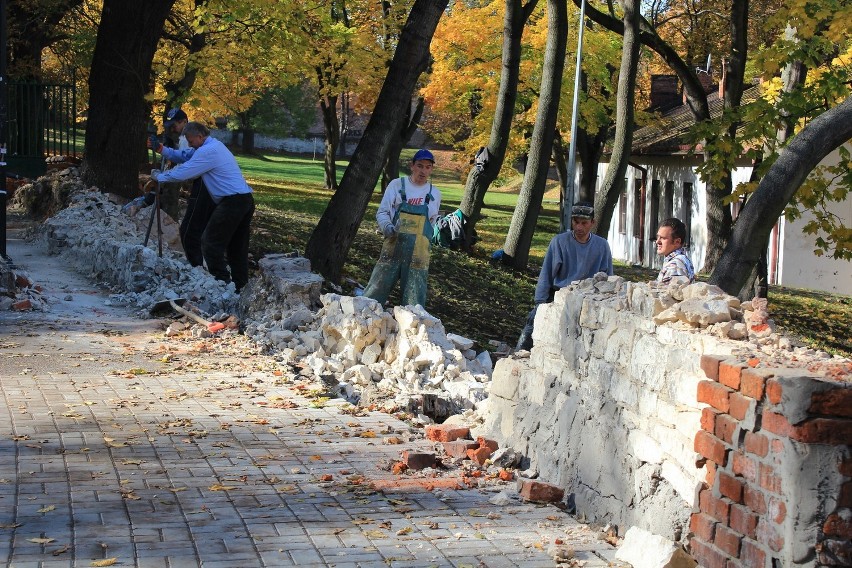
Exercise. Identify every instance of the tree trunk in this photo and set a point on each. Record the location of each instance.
(804, 152)
(480, 178)
(613, 183)
(176, 91)
(329, 243)
(525, 217)
(118, 81)
(719, 219)
(32, 26)
(407, 130)
(331, 125)
(590, 147)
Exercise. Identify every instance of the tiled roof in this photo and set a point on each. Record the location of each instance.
(667, 133)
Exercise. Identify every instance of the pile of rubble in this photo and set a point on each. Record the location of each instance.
(19, 292)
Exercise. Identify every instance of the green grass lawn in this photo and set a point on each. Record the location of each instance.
(472, 297)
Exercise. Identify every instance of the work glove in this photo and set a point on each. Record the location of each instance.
(389, 230)
(155, 174)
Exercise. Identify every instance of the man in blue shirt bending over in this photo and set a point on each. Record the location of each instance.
(574, 255)
(227, 231)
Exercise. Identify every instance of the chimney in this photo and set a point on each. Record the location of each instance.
(664, 94)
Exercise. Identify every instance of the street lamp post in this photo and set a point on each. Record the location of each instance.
(572, 160)
(4, 123)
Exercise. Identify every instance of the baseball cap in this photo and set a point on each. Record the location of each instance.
(583, 210)
(173, 116)
(423, 154)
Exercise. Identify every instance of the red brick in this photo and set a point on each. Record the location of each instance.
(707, 555)
(752, 555)
(727, 541)
(725, 428)
(702, 526)
(459, 448)
(486, 443)
(835, 552)
(757, 444)
(710, 447)
(739, 405)
(834, 431)
(710, 478)
(446, 432)
(730, 487)
(541, 492)
(744, 466)
(776, 510)
(776, 423)
(714, 394)
(834, 402)
(767, 534)
(479, 454)
(729, 374)
(22, 305)
(743, 521)
(837, 525)
(710, 366)
(773, 391)
(719, 509)
(845, 497)
(754, 499)
(753, 383)
(768, 480)
(708, 419)
(845, 467)
(418, 460)
(22, 281)
(776, 446)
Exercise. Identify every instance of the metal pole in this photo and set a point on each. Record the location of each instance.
(572, 160)
(4, 122)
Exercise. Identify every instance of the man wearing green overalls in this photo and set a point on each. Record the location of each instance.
(406, 217)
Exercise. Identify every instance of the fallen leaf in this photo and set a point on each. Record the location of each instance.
(220, 487)
(375, 534)
(10, 526)
(62, 550)
(41, 540)
(47, 509)
(105, 562)
(403, 531)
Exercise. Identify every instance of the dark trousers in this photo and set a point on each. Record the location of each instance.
(194, 221)
(227, 236)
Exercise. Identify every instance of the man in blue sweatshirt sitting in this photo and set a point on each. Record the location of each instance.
(574, 255)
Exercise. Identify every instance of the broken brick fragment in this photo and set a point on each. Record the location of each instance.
(486, 443)
(506, 475)
(418, 460)
(480, 454)
(541, 492)
(398, 468)
(22, 306)
(326, 477)
(459, 448)
(446, 432)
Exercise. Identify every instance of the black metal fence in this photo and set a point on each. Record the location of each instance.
(42, 123)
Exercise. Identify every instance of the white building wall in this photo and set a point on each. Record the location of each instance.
(797, 265)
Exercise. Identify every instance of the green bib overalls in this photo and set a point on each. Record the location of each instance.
(404, 256)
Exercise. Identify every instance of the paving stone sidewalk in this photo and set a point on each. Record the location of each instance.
(121, 446)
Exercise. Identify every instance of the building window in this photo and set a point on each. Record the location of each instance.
(668, 205)
(687, 210)
(654, 217)
(622, 210)
(637, 208)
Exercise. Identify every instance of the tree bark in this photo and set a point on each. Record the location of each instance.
(329, 243)
(118, 81)
(480, 179)
(814, 142)
(407, 129)
(525, 217)
(613, 183)
(328, 106)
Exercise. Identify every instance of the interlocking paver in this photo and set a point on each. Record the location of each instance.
(154, 450)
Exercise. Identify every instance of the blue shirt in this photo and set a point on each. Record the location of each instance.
(567, 260)
(216, 166)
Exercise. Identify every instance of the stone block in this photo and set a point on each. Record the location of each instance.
(642, 549)
(540, 492)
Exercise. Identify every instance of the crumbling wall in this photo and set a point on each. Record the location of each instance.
(607, 406)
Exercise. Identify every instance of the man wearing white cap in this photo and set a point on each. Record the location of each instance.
(406, 217)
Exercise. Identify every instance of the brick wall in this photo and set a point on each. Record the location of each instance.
(775, 444)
